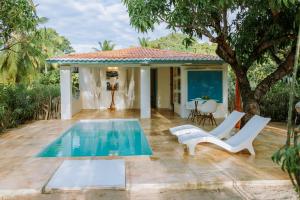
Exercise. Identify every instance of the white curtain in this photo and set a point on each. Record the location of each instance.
(130, 93)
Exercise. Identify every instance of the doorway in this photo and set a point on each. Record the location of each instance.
(153, 88)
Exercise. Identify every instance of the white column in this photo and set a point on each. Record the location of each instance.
(66, 92)
(183, 91)
(145, 104)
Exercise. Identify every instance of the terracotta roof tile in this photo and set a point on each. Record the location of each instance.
(137, 54)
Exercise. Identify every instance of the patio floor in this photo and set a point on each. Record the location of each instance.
(169, 173)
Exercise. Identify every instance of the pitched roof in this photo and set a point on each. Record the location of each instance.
(135, 55)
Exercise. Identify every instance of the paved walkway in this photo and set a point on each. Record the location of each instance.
(168, 172)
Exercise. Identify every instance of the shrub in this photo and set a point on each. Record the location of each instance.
(52, 77)
(275, 103)
(20, 103)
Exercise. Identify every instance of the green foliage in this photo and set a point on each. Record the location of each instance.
(260, 70)
(276, 102)
(23, 62)
(54, 44)
(106, 45)
(19, 103)
(19, 61)
(75, 82)
(288, 158)
(175, 41)
(144, 42)
(16, 16)
(51, 77)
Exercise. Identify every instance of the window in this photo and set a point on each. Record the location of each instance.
(205, 84)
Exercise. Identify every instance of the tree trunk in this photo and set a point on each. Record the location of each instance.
(250, 103)
(251, 108)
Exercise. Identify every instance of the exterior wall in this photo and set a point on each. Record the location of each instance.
(163, 88)
(76, 105)
(222, 107)
(93, 93)
(69, 105)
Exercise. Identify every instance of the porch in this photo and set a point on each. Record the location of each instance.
(142, 78)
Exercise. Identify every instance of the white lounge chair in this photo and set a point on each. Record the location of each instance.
(220, 131)
(240, 141)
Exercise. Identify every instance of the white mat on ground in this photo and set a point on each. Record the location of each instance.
(84, 174)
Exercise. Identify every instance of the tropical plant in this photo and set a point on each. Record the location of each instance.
(289, 155)
(23, 61)
(144, 42)
(275, 103)
(245, 32)
(51, 44)
(106, 45)
(50, 78)
(16, 16)
(53, 78)
(20, 103)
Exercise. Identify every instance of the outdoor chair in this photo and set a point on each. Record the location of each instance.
(240, 141)
(207, 109)
(221, 131)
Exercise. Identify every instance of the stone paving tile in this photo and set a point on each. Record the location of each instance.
(169, 166)
(136, 195)
(265, 192)
(31, 173)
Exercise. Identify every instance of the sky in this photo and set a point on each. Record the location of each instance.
(85, 22)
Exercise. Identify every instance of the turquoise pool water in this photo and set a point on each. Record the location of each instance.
(100, 138)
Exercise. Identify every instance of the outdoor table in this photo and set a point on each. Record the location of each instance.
(195, 111)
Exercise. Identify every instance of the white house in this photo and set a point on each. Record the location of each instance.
(146, 78)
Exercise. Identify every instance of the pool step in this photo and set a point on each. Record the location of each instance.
(88, 174)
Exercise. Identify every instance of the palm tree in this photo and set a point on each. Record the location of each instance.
(106, 45)
(144, 42)
(27, 57)
(21, 60)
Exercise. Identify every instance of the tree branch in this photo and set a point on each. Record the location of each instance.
(225, 22)
(206, 32)
(282, 70)
(267, 44)
(275, 57)
(270, 43)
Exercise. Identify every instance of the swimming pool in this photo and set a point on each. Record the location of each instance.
(115, 137)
